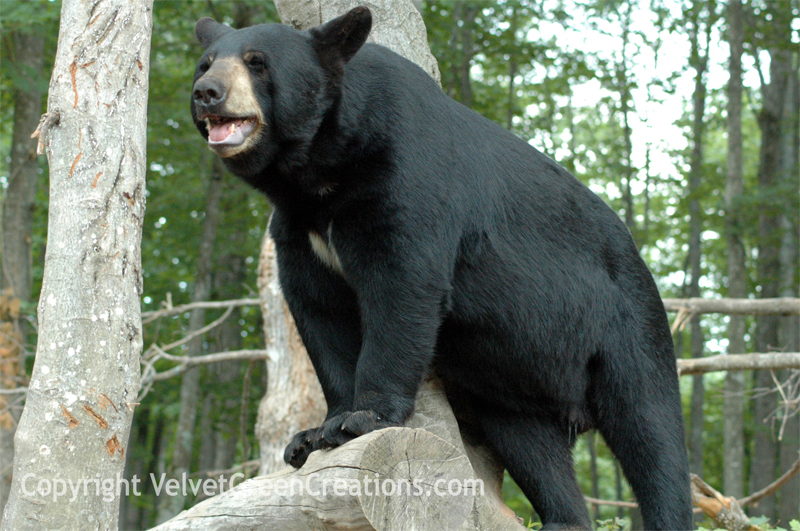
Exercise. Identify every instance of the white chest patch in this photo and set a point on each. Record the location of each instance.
(325, 251)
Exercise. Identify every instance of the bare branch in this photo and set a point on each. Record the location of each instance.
(726, 512)
(148, 317)
(777, 306)
(245, 467)
(186, 362)
(740, 362)
(772, 487)
(13, 391)
(197, 332)
(724, 502)
(612, 503)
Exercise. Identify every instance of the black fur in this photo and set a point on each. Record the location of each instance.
(463, 250)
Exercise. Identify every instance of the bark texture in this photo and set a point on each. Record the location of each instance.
(85, 380)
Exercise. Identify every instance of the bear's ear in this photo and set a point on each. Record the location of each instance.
(208, 31)
(343, 35)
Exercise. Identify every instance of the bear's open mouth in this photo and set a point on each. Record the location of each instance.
(228, 130)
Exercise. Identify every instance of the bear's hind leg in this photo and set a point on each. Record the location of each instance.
(643, 427)
(538, 455)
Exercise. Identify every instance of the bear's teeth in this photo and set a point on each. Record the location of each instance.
(233, 127)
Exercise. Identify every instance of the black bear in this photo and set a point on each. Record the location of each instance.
(413, 234)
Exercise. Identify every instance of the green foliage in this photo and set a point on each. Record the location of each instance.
(614, 524)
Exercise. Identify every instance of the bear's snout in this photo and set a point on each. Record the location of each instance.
(208, 93)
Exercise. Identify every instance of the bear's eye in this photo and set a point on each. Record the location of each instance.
(203, 67)
(255, 62)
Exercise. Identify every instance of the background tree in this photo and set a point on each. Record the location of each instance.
(733, 483)
(773, 33)
(24, 48)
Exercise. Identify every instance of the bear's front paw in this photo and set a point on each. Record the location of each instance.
(300, 447)
(334, 432)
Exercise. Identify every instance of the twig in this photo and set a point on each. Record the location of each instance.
(776, 306)
(772, 487)
(13, 391)
(47, 120)
(595, 501)
(200, 331)
(148, 317)
(680, 321)
(247, 465)
(187, 363)
(785, 402)
(749, 500)
(726, 512)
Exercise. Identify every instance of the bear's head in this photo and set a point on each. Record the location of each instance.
(261, 93)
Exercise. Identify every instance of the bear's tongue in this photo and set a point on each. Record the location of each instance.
(230, 133)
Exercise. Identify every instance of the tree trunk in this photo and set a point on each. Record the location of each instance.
(699, 60)
(18, 204)
(511, 111)
(396, 25)
(733, 406)
(218, 446)
(790, 326)
(169, 506)
(469, 12)
(130, 516)
(17, 232)
(85, 380)
(625, 101)
(228, 277)
(208, 441)
(769, 238)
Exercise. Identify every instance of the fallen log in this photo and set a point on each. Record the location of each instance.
(418, 477)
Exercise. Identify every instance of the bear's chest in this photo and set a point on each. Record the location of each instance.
(322, 245)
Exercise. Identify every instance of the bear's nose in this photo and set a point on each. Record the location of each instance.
(208, 92)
